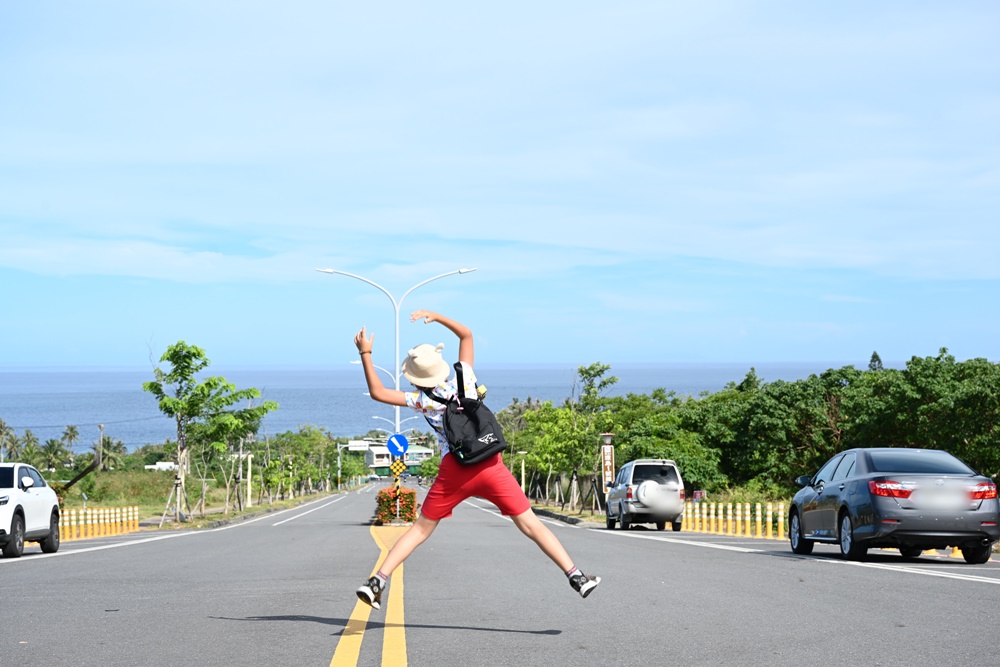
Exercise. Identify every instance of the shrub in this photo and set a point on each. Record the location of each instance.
(386, 510)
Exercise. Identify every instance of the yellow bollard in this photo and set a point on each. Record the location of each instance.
(63, 528)
(781, 521)
(135, 518)
(118, 521)
(770, 520)
(739, 519)
(729, 518)
(104, 523)
(72, 525)
(956, 552)
(746, 520)
(760, 531)
(711, 518)
(704, 517)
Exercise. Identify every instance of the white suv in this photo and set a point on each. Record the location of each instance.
(646, 491)
(29, 510)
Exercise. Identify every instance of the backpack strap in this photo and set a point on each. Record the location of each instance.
(434, 397)
(459, 380)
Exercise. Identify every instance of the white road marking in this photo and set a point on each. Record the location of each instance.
(675, 540)
(36, 557)
(495, 513)
(310, 511)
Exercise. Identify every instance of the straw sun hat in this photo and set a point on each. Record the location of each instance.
(425, 367)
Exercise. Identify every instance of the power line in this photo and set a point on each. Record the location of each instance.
(123, 421)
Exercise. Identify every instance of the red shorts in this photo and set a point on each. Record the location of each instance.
(488, 479)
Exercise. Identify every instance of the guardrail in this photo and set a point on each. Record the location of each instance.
(97, 522)
(735, 519)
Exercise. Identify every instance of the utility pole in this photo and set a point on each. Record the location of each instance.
(100, 446)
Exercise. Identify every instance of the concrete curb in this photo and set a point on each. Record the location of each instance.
(573, 521)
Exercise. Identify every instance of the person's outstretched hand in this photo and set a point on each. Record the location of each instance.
(364, 344)
(427, 316)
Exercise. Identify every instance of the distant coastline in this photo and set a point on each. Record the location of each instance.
(332, 398)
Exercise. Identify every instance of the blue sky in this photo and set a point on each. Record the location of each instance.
(641, 182)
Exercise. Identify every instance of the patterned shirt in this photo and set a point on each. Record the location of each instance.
(434, 411)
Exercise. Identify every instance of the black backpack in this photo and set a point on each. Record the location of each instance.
(470, 427)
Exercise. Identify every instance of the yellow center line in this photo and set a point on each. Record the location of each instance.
(394, 640)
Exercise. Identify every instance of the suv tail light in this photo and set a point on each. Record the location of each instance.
(682, 494)
(889, 489)
(628, 493)
(983, 491)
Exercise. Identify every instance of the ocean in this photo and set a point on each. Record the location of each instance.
(46, 401)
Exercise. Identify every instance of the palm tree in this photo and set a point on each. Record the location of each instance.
(112, 454)
(29, 452)
(52, 454)
(70, 437)
(7, 439)
(19, 448)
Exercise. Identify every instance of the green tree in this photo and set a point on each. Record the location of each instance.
(53, 454)
(113, 453)
(875, 363)
(186, 399)
(8, 439)
(28, 449)
(429, 467)
(70, 436)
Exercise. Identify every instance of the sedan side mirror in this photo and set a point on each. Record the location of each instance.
(27, 482)
(804, 480)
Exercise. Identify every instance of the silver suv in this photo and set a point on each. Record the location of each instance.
(646, 491)
(29, 510)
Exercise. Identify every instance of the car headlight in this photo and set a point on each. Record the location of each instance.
(4, 499)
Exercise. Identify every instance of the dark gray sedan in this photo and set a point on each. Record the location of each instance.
(908, 499)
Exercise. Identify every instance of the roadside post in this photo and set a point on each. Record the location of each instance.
(607, 464)
(700, 524)
(397, 445)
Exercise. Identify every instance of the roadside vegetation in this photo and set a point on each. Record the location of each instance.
(749, 441)
(745, 443)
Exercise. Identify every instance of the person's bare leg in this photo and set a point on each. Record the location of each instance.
(411, 539)
(530, 525)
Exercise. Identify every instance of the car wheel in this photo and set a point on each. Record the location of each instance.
(15, 545)
(661, 525)
(625, 520)
(677, 526)
(50, 544)
(910, 553)
(977, 555)
(850, 548)
(800, 545)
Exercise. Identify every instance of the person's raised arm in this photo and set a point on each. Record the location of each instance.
(376, 389)
(466, 349)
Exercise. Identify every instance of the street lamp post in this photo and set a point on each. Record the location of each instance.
(396, 306)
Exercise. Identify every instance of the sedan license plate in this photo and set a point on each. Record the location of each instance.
(940, 499)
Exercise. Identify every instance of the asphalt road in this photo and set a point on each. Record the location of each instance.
(280, 590)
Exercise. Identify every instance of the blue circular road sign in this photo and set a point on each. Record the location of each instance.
(397, 444)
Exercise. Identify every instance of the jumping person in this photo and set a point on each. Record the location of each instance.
(489, 479)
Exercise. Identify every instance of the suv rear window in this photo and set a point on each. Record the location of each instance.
(7, 478)
(919, 462)
(661, 474)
